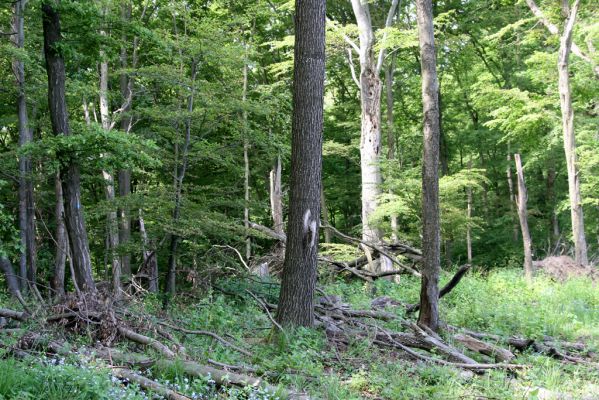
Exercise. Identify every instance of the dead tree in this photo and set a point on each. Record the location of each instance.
(523, 215)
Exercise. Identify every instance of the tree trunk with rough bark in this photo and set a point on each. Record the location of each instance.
(431, 232)
(28, 258)
(298, 281)
(580, 243)
(325, 214)
(71, 186)
(62, 240)
(523, 215)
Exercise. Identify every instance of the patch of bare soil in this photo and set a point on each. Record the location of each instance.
(562, 268)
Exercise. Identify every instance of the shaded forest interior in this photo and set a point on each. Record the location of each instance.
(277, 199)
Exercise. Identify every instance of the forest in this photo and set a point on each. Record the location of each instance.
(309, 199)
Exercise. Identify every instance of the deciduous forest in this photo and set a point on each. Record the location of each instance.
(309, 199)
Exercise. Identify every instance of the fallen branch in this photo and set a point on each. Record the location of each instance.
(146, 341)
(148, 384)
(453, 282)
(208, 333)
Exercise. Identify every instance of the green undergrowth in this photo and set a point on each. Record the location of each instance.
(499, 302)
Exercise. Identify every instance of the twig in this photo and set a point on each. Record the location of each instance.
(275, 323)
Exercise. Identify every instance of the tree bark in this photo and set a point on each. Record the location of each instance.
(296, 303)
(523, 215)
(62, 240)
(74, 216)
(28, 258)
(431, 249)
(111, 216)
(580, 244)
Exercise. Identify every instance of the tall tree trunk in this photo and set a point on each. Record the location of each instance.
(390, 130)
(111, 216)
(298, 281)
(246, 163)
(181, 169)
(62, 240)
(431, 232)
(370, 99)
(28, 259)
(12, 279)
(523, 215)
(124, 175)
(580, 243)
(75, 220)
(276, 196)
(468, 220)
(510, 185)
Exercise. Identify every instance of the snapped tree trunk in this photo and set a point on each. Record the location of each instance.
(150, 262)
(276, 196)
(296, 303)
(28, 259)
(523, 215)
(580, 243)
(431, 232)
(75, 221)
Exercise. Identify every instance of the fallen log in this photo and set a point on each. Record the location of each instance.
(12, 314)
(476, 345)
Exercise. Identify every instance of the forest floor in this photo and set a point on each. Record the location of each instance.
(499, 302)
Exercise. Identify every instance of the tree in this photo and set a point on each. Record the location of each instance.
(580, 243)
(28, 259)
(523, 215)
(69, 171)
(299, 270)
(370, 101)
(431, 231)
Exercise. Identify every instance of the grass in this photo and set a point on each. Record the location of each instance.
(499, 302)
